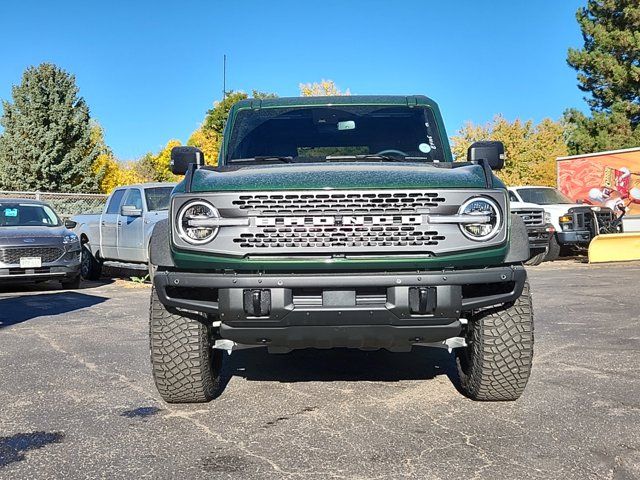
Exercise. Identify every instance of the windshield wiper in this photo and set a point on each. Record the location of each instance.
(263, 158)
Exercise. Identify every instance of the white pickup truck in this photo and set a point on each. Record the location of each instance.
(575, 224)
(122, 231)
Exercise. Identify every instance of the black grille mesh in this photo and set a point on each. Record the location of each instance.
(339, 236)
(338, 203)
(12, 256)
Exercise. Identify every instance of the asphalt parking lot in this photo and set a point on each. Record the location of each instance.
(77, 399)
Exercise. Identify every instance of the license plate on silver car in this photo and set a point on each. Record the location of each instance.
(30, 262)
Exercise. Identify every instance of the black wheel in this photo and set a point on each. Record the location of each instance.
(72, 283)
(496, 363)
(91, 267)
(536, 259)
(186, 368)
(554, 249)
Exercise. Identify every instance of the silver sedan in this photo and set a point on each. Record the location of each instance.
(35, 245)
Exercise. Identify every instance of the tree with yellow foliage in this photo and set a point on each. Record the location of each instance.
(116, 174)
(531, 150)
(208, 141)
(324, 88)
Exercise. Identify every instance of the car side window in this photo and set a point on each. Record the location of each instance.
(512, 196)
(133, 198)
(114, 203)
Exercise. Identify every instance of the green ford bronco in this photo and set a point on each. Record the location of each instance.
(339, 222)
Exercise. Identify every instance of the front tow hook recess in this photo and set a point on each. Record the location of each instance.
(257, 302)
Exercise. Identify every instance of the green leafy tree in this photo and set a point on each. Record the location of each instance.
(530, 149)
(47, 140)
(601, 132)
(608, 68)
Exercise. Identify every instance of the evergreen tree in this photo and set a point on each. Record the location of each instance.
(609, 70)
(47, 141)
(609, 63)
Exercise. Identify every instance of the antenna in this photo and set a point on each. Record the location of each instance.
(224, 76)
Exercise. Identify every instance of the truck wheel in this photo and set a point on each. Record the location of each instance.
(554, 249)
(186, 367)
(496, 363)
(536, 259)
(90, 267)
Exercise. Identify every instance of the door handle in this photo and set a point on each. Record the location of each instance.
(103, 223)
(119, 223)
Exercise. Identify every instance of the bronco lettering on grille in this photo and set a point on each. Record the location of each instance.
(339, 220)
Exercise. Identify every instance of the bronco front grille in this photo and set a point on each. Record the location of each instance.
(531, 217)
(12, 256)
(338, 203)
(339, 223)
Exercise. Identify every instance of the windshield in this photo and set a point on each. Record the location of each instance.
(158, 198)
(542, 196)
(27, 215)
(307, 134)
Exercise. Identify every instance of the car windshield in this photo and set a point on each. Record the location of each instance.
(158, 198)
(27, 215)
(542, 196)
(344, 132)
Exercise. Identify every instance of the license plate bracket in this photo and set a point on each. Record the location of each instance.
(30, 262)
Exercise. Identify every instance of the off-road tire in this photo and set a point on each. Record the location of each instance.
(553, 253)
(536, 259)
(90, 266)
(72, 284)
(186, 368)
(496, 363)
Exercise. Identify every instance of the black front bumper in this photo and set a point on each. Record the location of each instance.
(575, 237)
(25, 275)
(538, 239)
(377, 310)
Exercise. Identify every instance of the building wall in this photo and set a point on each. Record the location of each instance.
(578, 175)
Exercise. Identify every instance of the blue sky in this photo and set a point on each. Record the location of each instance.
(149, 70)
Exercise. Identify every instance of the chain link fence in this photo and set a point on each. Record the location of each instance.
(65, 204)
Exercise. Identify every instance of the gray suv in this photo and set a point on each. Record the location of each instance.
(35, 245)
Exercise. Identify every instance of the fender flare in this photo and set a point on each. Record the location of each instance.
(160, 245)
(518, 241)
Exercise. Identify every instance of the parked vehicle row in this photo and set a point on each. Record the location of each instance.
(574, 224)
(36, 245)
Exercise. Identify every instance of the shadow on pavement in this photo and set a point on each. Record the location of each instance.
(18, 309)
(311, 365)
(13, 448)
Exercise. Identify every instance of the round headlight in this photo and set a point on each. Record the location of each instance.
(187, 222)
(490, 223)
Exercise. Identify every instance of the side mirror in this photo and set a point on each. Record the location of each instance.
(70, 224)
(130, 211)
(182, 157)
(491, 151)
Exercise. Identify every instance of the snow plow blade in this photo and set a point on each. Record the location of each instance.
(615, 247)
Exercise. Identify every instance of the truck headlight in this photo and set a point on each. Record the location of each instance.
(188, 218)
(483, 207)
(547, 217)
